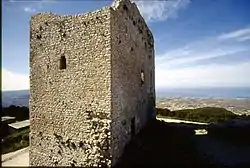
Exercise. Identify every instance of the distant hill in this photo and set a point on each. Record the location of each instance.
(204, 114)
(17, 98)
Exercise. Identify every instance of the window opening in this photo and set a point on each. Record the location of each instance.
(142, 78)
(63, 62)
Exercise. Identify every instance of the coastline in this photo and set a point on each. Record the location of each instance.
(238, 106)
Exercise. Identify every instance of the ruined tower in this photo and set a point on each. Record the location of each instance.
(91, 84)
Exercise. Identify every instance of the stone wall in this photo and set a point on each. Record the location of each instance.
(132, 73)
(70, 109)
(91, 75)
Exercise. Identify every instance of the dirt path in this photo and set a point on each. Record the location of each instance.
(169, 120)
(17, 158)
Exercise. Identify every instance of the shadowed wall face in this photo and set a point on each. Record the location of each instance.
(91, 85)
(132, 59)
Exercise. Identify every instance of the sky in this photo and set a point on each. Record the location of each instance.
(198, 43)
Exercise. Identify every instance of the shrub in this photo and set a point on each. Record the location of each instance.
(15, 141)
(205, 114)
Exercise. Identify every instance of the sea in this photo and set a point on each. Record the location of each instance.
(21, 97)
(218, 92)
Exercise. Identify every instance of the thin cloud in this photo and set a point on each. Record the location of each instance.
(35, 6)
(29, 9)
(192, 65)
(203, 49)
(41, 3)
(195, 56)
(11, 1)
(161, 10)
(204, 76)
(240, 35)
(9, 80)
(245, 38)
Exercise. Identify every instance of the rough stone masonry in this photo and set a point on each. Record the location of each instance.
(91, 84)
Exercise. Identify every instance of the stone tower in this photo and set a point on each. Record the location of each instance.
(91, 84)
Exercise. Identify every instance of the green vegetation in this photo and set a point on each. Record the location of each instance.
(12, 141)
(15, 141)
(21, 113)
(205, 114)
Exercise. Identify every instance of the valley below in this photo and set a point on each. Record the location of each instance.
(237, 106)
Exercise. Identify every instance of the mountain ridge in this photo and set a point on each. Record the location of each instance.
(15, 97)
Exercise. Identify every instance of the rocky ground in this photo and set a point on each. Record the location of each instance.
(237, 106)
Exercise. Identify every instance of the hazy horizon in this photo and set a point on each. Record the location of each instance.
(212, 92)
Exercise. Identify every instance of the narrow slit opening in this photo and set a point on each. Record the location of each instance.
(62, 62)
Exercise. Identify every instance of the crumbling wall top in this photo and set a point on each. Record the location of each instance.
(116, 3)
(130, 6)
